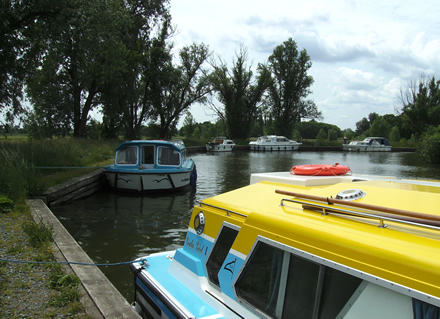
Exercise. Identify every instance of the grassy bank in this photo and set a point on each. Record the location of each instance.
(30, 166)
(33, 290)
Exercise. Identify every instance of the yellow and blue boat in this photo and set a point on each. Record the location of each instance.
(290, 246)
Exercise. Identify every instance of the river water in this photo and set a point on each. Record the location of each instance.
(115, 227)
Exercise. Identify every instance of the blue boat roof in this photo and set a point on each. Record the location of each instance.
(177, 145)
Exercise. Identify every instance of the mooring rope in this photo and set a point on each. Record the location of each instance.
(141, 261)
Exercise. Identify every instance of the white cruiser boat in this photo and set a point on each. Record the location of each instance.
(369, 144)
(274, 143)
(220, 144)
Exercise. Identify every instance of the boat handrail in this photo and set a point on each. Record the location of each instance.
(326, 209)
(388, 210)
(221, 208)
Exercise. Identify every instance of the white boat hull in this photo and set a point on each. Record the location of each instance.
(219, 148)
(364, 148)
(256, 147)
(147, 181)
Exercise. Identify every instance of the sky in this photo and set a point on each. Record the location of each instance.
(363, 53)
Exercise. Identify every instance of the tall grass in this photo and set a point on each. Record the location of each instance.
(17, 175)
(23, 169)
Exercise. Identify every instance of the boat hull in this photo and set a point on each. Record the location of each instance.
(219, 147)
(140, 182)
(270, 148)
(366, 148)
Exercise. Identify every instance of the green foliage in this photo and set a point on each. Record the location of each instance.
(240, 92)
(19, 19)
(380, 127)
(170, 89)
(39, 234)
(420, 106)
(59, 280)
(18, 176)
(289, 87)
(321, 135)
(362, 126)
(67, 285)
(310, 129)
(296, 135)
(429, 146)
(332, 135)
(6, 205)
(394, 134)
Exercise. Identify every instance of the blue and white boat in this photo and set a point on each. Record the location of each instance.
(150, 165)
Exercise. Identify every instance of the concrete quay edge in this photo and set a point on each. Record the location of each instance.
(100, 298)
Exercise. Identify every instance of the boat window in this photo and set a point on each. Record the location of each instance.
(259, 282)
(219, 252)
(127, 155)
(168, 156)
(309, 290)
(148, 153)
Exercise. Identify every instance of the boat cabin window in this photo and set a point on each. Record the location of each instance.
(219, 252)
(148, 154)
(168, 156)
(127, 155)
(283, 285)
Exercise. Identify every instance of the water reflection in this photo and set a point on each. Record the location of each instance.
(113, 227)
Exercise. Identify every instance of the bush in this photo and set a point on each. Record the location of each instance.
(6, 205)
(39, 234)
(429, 146)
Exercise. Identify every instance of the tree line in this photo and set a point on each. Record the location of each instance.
(70, 58)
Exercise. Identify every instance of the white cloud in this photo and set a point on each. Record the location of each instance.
(362, 52)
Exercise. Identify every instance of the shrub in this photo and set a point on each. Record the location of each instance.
(429, 146)
(39, 234)
(6, 205)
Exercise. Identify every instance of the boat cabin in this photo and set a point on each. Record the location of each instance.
(150, 165)
(148, 155)
(289, 246)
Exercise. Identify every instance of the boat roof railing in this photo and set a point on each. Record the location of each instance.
(366, 211)
(221, 208)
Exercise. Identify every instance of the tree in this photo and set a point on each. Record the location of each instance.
(80, 51)
(174, 88)
(362, 126)
(420, 105)
(128, 99)
(189, 124)
(310, 129)
(394, 134)
(240, 93)
(18, 21)
(429, 147)
(380, 127)
(289, 87)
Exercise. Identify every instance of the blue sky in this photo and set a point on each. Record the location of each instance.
(363, 52)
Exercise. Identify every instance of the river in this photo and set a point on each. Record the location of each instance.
(115, 227)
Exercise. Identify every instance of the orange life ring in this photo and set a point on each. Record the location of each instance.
(320, 170)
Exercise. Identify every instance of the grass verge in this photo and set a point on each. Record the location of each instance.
(33, 290)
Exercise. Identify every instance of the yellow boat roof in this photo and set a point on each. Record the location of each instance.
(405, 254)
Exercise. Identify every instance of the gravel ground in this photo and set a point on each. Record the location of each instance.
(24, 288)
